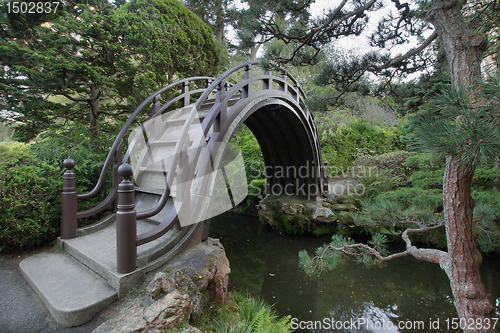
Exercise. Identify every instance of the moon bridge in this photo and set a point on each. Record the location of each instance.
(180, 167)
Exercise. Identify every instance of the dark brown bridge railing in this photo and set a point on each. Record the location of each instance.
(69, 213)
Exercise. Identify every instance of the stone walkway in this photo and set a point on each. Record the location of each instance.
(21, 310)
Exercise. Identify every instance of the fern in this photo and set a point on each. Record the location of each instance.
(266, 321)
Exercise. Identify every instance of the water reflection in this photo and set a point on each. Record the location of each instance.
(412, 294)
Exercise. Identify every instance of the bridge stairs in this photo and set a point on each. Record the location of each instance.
(80, 277)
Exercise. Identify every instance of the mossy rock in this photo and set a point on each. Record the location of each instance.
(345, 207)
(344, 218)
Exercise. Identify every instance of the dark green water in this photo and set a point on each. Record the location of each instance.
(404, 292)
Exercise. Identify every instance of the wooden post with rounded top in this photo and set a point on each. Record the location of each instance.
(126, 230)
(68, 201)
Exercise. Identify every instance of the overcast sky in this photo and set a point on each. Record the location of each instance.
(356, 44)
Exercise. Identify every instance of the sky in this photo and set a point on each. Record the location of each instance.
(352, 43)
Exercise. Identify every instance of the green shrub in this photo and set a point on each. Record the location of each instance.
(322, 229)
(394, 162)
(31, 184)
(376, 182)
(89, 159)
(251, 153)
(344, 141)
(256, 191)
(30, 200)
(425, 195)
(489, 197)
(410, 196)
(253, 315)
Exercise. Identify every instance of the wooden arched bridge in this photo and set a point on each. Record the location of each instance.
(184, 171)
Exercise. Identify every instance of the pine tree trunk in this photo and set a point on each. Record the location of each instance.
(464, 260)
(464, 51)
(464, 48)
(219, 22)
(94, 112)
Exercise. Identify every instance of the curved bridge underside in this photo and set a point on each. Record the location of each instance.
(288, 145)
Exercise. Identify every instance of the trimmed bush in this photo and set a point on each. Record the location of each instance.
(30, 200)
(31, 185)
(89, 161)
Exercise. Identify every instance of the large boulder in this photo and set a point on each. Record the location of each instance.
(174, 294)
(323, 215)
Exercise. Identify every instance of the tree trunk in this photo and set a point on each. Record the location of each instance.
(219, 21)
(464, 51)
(253, 52)
(463, 48)
(464, 260)
(94, 111)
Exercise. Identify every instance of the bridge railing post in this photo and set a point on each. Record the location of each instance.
(324, 177)
(247, 89)
(219, 98)
(282, 84)
(68, 201)
(267, 83)
(295, 94)
(156, 104)
(126, 230)
(185, 91)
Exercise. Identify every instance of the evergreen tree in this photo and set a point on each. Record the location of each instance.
(256, 24)
(213, 13)
(90, 63)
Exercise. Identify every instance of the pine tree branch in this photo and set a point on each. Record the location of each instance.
(111, 113)
(399, 60)
(314, 34)
(430, 255)
(74, 112)
(86, 100)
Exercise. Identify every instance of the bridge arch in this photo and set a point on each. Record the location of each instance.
(175, 147)
(286, 139)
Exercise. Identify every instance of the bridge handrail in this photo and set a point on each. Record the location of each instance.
(146, 237)
(118, 141)
(179, 144)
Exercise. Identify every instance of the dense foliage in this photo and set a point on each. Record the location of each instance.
(451, 125)
(29, 199)
(248, 314)
(345, 140)
(91, 63)
(167, 41)
(30, 187)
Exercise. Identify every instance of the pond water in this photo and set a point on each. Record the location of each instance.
(352, 298)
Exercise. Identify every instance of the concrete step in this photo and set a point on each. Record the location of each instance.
(72, 292)
(147, 199)
(98, 252)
